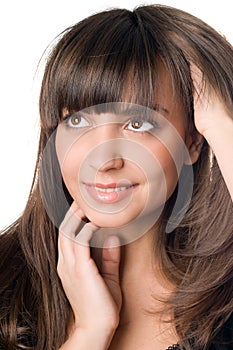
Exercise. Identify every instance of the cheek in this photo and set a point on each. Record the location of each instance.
(171, 174)
(170, 166)
(70, 167)
(70, 153)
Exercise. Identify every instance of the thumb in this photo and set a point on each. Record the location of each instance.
(111, 259)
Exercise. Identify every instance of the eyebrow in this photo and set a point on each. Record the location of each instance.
(157, 107)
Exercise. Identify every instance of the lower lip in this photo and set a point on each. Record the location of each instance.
(109, 197)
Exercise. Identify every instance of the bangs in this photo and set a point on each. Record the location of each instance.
(113, 56)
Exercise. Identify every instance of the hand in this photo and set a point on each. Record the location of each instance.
(215, 122)
(95, 296)
(209, 110)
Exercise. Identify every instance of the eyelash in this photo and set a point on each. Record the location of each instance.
(146, 119)
(67, 119)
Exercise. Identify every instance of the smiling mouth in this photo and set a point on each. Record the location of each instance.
(112, 188)
(109, 193)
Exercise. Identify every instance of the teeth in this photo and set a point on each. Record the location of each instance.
(109, 190)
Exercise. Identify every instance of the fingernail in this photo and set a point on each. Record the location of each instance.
(111, 242)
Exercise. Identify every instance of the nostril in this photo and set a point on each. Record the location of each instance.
(115, 163)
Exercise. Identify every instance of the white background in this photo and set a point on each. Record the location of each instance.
(26, 28)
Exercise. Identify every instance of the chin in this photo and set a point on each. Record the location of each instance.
(109, 220)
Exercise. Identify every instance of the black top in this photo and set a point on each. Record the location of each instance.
(224, 340)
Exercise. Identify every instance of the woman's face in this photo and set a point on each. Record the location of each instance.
(123, 162)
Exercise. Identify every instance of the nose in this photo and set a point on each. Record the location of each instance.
(108, 151)
(115, 163)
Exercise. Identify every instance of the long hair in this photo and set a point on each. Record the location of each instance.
(96, 61)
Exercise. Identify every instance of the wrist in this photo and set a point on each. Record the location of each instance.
(82, 339)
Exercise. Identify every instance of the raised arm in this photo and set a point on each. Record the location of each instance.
(215, 123)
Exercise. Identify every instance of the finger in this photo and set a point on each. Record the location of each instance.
(196, 74)
(67, 232)
(199, 84)
(81, 243)
(71, 221)
(76, 250)
(111, 259)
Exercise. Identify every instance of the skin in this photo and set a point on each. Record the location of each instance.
(214, 122)
(112, 291)
(76, 150)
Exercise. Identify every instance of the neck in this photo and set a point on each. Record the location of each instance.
(142, 282)
(142, 317)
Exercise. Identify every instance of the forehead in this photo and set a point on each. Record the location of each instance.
(165, 100)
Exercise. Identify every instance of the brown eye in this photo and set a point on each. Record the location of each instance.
(136, 124)
(75, 120)
(141, 125)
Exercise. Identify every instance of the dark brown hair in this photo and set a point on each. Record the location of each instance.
(90, 64)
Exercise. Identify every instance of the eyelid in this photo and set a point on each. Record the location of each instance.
(146, 118)
(67, 117)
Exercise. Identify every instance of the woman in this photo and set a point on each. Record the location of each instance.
(126, 239)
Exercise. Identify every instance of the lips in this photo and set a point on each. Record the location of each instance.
(110, 193)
